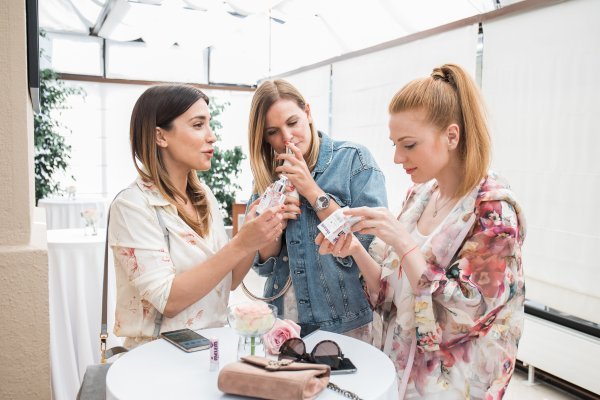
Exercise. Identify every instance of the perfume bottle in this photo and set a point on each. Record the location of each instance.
(293, 193)
(273, 196)
(337, 224)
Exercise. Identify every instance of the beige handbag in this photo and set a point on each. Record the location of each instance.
(262, 378)
(271, 379)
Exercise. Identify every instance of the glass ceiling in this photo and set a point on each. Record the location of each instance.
(266, 37)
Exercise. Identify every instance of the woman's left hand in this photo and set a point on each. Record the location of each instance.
(346, 245)
(297, 172)
(251, 214)
(382, 223)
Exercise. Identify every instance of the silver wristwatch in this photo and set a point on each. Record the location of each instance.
(321, 203)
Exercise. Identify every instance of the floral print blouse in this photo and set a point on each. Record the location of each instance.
(467, 315)
(145, 267)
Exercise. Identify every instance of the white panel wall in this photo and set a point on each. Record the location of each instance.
(363, 87)
(540, 77)
(314, 86)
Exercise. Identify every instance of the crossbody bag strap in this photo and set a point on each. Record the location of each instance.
(104, 353)
(165, 232)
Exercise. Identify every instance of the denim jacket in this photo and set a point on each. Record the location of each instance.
(329, 290)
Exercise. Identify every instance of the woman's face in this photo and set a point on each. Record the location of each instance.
(189, 142)
(287, 122)
(422, 149)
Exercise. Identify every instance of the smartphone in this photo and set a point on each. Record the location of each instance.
(186, 339)
(307, 329)
(346, 367)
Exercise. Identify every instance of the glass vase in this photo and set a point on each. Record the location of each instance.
(251, 321)
(90, 229)
(251, 346)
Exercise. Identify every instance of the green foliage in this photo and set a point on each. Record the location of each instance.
(51, 152)
(225, 168)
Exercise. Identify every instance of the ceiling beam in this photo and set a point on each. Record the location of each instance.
(108, 6)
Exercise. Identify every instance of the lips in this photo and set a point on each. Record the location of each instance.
(209, 152)
(410, 170)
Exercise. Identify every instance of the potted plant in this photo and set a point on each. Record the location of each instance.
(51, 152)
(226, 167)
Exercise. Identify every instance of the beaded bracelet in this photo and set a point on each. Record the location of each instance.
(405, 254)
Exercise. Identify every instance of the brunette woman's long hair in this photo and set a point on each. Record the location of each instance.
(158, 106)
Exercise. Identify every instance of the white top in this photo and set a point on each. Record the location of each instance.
(145, 268)
(159, 370)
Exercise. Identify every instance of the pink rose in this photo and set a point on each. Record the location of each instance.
(252, 318)
(282, 330)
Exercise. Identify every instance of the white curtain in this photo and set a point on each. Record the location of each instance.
(363, 87)
(540, 80)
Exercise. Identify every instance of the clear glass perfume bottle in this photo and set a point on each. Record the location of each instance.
(274, 195)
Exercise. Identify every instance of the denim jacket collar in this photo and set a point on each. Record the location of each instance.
(325, 153)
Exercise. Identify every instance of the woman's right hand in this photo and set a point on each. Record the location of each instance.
(259, 230)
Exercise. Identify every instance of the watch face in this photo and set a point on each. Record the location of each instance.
(322, 202)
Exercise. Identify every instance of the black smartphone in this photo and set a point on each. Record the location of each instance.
(186, 339)
(307, 329)
(346, 367)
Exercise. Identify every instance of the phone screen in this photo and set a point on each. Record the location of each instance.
(307, 329)
(186, 339)
(346, 367)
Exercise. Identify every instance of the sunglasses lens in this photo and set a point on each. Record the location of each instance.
(328, 353)
(292, 349)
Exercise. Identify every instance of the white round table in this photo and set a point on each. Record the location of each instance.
(63, 213)
(159, 370)
(75, 270)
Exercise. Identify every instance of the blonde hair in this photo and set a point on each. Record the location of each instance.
(262, 158)
(450, 96)
(158, 106)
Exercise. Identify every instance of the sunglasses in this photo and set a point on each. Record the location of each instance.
(325, 352)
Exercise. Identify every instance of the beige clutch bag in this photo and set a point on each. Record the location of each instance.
(273, 380)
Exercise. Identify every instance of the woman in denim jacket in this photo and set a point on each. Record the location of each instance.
(325, 175)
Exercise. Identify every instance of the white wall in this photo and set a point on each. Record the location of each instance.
(364, 86)
(540, 80)
(361, 88)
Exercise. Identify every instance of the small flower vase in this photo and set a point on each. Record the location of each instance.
(90, 228)
(251, 321)
(90, 217)
(71, 191)
(251, 346)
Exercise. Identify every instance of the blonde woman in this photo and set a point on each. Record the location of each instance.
(327, 174)
(446, 274)
(187, 280)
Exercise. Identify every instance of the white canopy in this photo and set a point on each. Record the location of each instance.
(266, 37)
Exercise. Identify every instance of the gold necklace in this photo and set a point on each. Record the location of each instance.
(436, 209)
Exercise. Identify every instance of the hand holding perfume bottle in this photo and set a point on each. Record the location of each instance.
(273, 196)
(337, 224)
(294, 192)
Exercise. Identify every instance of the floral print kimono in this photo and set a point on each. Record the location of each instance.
(467, 316)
